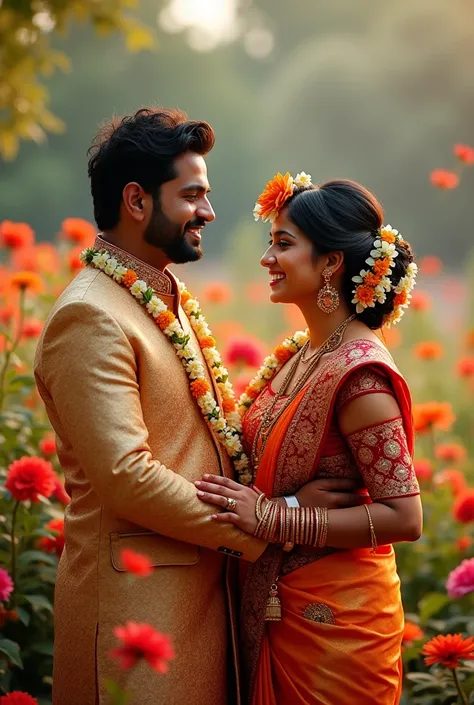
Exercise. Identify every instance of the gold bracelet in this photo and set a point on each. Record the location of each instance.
(373, 537)
(324, 530)
(262, 516)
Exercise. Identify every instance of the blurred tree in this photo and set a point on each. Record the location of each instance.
(26, 29)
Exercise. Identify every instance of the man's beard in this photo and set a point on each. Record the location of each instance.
(161, 232)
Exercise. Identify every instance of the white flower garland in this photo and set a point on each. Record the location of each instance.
(227, 427)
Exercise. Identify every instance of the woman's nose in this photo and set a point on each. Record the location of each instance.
(267, 259)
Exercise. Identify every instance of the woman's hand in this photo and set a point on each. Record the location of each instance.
(330, 492)
(215, 490)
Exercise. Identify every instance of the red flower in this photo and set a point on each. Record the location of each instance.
(16, 234)
(29, 477)
(433, 414)
(448, 650)
(56, 544)
(17, 698)
(47, 445)
(423, 469)
(136, 563)
(73, 260)
(60, 494)
(32, 328)
(463, 508)
(465, 367)
(452, 477)
(444, 179)
(463, 543)
(78, 231)
(430, 266)
(245, 351)
(411, 633)
(451, 452)
(142, 641)
(464, 153)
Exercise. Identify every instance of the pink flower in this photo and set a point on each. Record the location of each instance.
(461, 580)
(245, 351)
(6, 585)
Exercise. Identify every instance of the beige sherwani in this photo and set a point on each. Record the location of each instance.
(131, 441)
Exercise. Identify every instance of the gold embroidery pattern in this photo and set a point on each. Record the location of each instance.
(319, 612)
(362, 382)
(384, 460)
(341, 465)
(297, 459)
(156, 279)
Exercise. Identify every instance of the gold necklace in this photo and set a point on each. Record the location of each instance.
(269, 420)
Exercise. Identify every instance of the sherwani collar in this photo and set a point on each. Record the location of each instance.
(164, 283)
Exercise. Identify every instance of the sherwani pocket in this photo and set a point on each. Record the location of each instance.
(161, 550)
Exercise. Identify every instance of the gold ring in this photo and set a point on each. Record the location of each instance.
(231, 504)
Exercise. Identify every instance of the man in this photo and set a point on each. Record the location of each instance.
(131, 438)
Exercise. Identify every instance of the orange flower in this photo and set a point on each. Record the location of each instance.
(451, 452)
(430, 265)
(136, 563)
(463, 543)
(29, 477)
(251, 392)
(207, 342)
(199, 388)
(428, 350)
(56, 544)
(16, 234)
(382, 266)
(228, 405)
(444, 179)
(463, 509)
(448, 650)
(282, 354)
(273, 198)
(411, 632)
(129, 278)
(185, 296)
(79, 231)
(423, 469)
(217, 293)
(400, 299)
(371, 279)
(465, 367)
(433, 414)
(142, 641)
(26, 280)
(464, 153)
(164, 319)
(6, 314)
(453, 478)
(74, 261)
(365, 294)
(420, 301)
(17, 697)
(387, 236)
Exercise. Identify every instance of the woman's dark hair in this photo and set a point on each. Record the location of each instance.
(142, 148)
(343, 215)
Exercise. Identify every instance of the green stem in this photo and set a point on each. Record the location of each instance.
(13, 544)
(9, 353)
(461, 693)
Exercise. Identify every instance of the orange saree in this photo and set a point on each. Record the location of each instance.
(339, 639)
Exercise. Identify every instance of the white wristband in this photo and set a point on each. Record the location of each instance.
(291, 501)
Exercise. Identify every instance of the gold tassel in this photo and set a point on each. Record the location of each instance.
(273, 608)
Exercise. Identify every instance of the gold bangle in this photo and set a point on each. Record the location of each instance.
(258, 506)
(373, 537)
(325, 525)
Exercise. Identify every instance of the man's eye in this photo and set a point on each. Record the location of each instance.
(191, 197)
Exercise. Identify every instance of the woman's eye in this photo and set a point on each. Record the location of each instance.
(283, 243)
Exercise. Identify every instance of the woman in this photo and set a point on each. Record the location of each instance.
(334, 405)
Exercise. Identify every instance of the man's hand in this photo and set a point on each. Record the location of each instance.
(330, 492)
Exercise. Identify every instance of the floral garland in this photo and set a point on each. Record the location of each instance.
(227, 427)
(271, 366)
(374, 283)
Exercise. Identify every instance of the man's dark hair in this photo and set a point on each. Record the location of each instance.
(142, 148)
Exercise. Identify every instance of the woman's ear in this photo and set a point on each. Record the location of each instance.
(335, 261)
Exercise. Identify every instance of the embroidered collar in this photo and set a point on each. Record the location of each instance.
(159, 281)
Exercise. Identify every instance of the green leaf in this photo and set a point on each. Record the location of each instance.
(12, 651)
(432, 603)
(39, 602)
(21, 381)
(23, 616)
(36, 557)
(43, 647)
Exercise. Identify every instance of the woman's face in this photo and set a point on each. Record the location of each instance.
(295, 272)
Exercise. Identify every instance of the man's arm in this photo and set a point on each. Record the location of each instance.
(90, 372)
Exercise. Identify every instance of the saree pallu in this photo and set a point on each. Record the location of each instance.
(339, 639)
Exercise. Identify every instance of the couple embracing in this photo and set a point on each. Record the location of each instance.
(269, 521)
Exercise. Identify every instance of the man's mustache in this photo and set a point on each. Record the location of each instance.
(196, 223)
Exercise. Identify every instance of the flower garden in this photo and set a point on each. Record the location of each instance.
(433, 346)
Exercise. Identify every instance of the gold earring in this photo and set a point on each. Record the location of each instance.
(328, 297)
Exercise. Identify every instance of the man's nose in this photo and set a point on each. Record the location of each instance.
(206, 212)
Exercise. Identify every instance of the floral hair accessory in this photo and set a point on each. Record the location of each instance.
(276, 193)
(374, 283)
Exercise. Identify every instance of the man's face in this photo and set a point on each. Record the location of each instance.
(182, 211)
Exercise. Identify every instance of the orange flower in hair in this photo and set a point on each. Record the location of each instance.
(382, 266)
(271, 201)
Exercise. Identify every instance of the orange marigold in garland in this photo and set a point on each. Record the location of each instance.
(372, 279)
(382, 266)
(164, 319)
(129, 278)
(18, 698)
(142, 641)
(273, 198)
(199, 388)
(448, 650)
(463, 509)
(207, 342)
(228, 405)
(365, 294)
(282, 354)
(185, 296)
(29, 477)
(400, 299)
